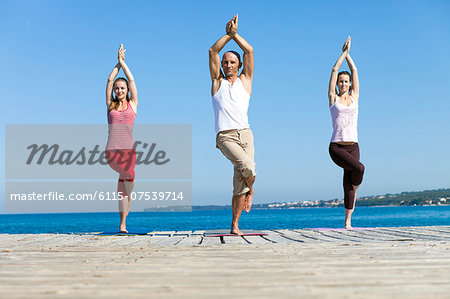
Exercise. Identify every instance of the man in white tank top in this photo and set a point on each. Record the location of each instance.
(230, 97)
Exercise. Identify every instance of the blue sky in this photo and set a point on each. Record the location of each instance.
(58, 54)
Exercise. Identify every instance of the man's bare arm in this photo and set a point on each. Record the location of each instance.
(248, 60)
(214, 59)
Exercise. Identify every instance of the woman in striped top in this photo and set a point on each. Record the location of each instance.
(120, 154)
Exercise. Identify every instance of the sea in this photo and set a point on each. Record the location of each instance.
(267, 219)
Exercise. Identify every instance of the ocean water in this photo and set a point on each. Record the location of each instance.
(208, 220)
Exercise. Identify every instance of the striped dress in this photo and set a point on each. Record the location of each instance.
(120, 128)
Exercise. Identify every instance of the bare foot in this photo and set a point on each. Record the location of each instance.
(123, 229)
(348, 223)
(236, 231)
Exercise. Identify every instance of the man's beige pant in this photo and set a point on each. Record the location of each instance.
(237, 146)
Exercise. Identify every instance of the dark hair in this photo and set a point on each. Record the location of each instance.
(345, 73)
(115, 101)
(235, 53)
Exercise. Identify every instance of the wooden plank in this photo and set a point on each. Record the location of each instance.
(127, 241)
(96, 241)
(37, 240)
(275, 237)
(68, 240)
(163, 233)
(142, 242)
(207, 241)
(340, 236)
(291, 235)
(425, 229)
(233, 240)
(216, 232)
(154, 240)
(368, 237)
(318, 235)
(186, 233)
(190, 241)
(414, 235)
(384, 236)
(173, 240)
(21, 240)
(443, 228)
(429, 232)
(53, 240)
(256, 240)
(198, 233)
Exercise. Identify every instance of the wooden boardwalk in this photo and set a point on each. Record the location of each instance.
(396, 262)
(201, 238)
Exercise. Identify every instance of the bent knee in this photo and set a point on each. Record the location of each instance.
(246, 167)
(358, 175)
(361, 168)
(129, 175)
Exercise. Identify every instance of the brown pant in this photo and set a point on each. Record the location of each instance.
(347, 157)
(237, 146)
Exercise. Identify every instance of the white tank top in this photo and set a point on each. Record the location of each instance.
(345, 121)
(230, 104)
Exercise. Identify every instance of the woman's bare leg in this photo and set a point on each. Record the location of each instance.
(125, 204)
(348, 212)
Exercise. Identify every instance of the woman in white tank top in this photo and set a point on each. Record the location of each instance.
(344, 148)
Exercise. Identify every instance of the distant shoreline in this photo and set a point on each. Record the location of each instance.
(438, 197)
(220, 208)
(427, 198)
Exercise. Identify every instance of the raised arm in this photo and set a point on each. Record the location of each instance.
(214, 58)
(110, 84)
(131, 83)
(355, 80)
(249, 63)
(214, 61)
(332, 94)
(248, 60)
